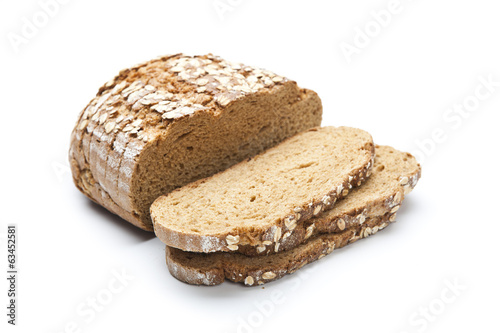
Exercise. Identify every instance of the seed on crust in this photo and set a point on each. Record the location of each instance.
(339, 189)
(83, 124)
(276, 247)
(267, 242)
(176, 69)
(233, 247)
(119, 119)
(232, 240)
(268, 275)
(317, 210)
(326, 200)
(309, 231)
(397, 198)
(249, 281)
(362, 219)
(260, 283)
(172, 115)
(261, 248)
(222, 100)
(110, 126)
(103, 118)
(201, 82)
(404, 180)
(407, 188)
(392, 218)
(136, 123)
(367, 232)
(297, 209)
(395, 209)
(341, 224)
(277, 234)
(290, 222)
(242, 88)
(345, 192)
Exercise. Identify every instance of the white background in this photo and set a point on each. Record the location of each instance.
(399, 86)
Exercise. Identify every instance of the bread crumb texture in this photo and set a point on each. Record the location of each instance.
(260, 200)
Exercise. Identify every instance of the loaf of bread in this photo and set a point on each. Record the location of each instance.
(171, 121)
(365, 211)
(259, 202)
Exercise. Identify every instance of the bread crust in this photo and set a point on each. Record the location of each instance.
(127, 118)
(254, 271)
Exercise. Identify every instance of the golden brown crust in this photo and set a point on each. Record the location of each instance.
(136, 108)
(213, 268)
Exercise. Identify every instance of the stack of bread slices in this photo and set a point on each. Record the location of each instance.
(229, 167)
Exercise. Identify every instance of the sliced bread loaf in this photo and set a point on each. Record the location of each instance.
(394, 174)
(364, 211)
(259, 200)
(213, 268)
(170, 121)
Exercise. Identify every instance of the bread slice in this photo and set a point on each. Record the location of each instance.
(262, 199)
(394, 174)
(366, 210)
(170, 121)
(213, 268)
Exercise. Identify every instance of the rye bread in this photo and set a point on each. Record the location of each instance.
(393, 175)
(213, 268)
(366, 210)
(176, 119)
(260, 200)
